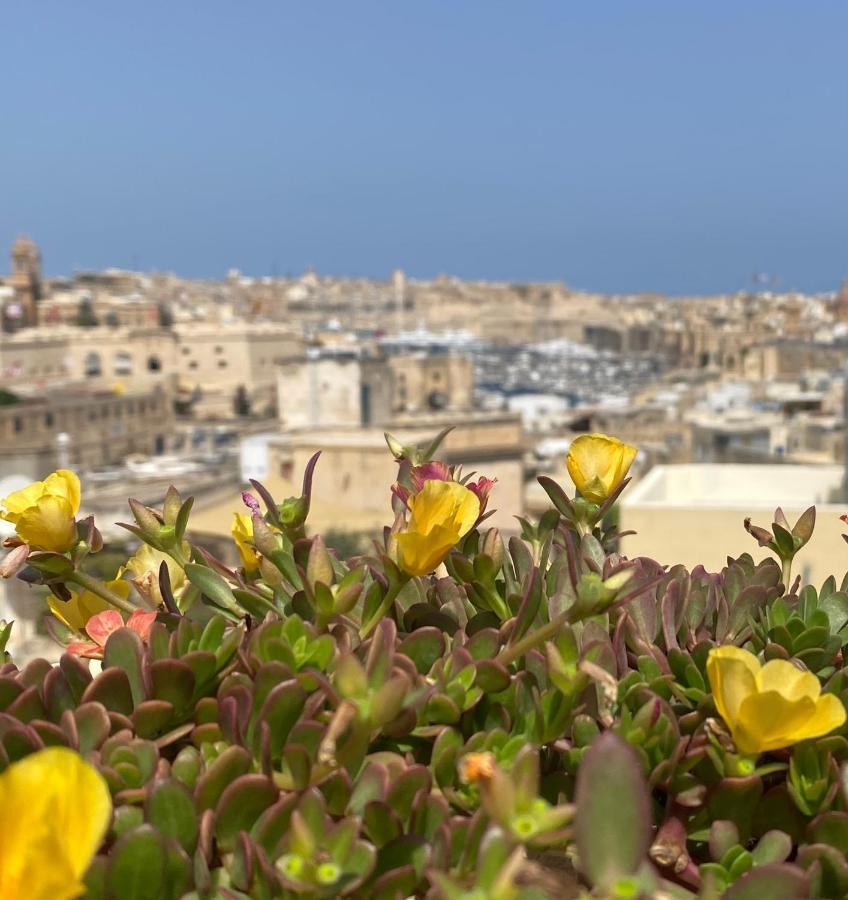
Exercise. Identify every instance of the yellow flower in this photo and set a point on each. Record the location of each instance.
(598, 464)
(43, 512)
(56, 809)
(441, 514)
(769, 706)
(144, 567)
(76, 612)
(242, 532)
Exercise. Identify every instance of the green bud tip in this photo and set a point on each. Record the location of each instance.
(328, 873)
(291, 865)
(524, 826)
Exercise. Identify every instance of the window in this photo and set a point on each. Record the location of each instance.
(92, 365)
(219, 349)
(154, 364)
(193, 364)
(222, 364)
(19, 424)
(123, 363)
(186, 351)
(48, 419)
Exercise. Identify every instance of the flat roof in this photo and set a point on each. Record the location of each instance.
(734, 485)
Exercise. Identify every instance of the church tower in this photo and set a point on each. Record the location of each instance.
(26, 281)
(841, 305)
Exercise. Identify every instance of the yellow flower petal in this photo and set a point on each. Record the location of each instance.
(732, 673)
(597, 464)
(769, 721)
(790, 681)
(81, 607)
(441, 514)
(21, 500)
(56, 809)
(242, 532)
(145, 563)
(64, 483)
(446, 503)
(772, 706)
(420, 554)
(829, 715)
(49, 525)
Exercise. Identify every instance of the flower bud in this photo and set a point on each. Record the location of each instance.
(148, 521)
(265, 540)
(395, 447)
(250, 501)
(292, 512)
(493, 547)
(319, 566)
(14, 561)
(171, 506)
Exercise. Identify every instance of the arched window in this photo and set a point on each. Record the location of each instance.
(92, 364)
(123, 363)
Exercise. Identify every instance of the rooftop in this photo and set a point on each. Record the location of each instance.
(735, 486)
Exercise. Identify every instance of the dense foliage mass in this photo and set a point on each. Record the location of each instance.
(451, 716)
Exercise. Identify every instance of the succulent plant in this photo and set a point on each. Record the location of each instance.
(537, 718)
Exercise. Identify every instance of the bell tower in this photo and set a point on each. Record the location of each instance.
(26, 280)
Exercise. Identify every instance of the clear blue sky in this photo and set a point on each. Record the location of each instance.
(638, 145)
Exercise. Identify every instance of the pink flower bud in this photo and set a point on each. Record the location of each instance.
(431, 471)
(250, 501)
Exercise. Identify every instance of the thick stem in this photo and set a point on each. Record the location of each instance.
(178, 556)
(99, 588)
(532, 640)
(383, 608)
(786, 572)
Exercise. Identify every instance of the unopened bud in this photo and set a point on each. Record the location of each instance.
(265, 539)
(493, 547)
(250, 501)
(395, 447)
(293, 512)
(14, 561)
(319, 566)
(147, 520)
(171, 506)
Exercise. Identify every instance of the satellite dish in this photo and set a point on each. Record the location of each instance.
(8, 485)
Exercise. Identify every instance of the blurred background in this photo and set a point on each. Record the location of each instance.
(239, 233)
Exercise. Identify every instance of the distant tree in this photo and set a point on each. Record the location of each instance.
(241, 402)
(7, 398)
(85, 314)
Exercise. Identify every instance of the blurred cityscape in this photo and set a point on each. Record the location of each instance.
(137, 381)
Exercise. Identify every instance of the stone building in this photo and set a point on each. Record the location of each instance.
(219, 371)
(81, 429)
(342, 388)
(232, 369)
(98, 356)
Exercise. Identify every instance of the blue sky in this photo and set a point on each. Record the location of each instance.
(618, 146)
